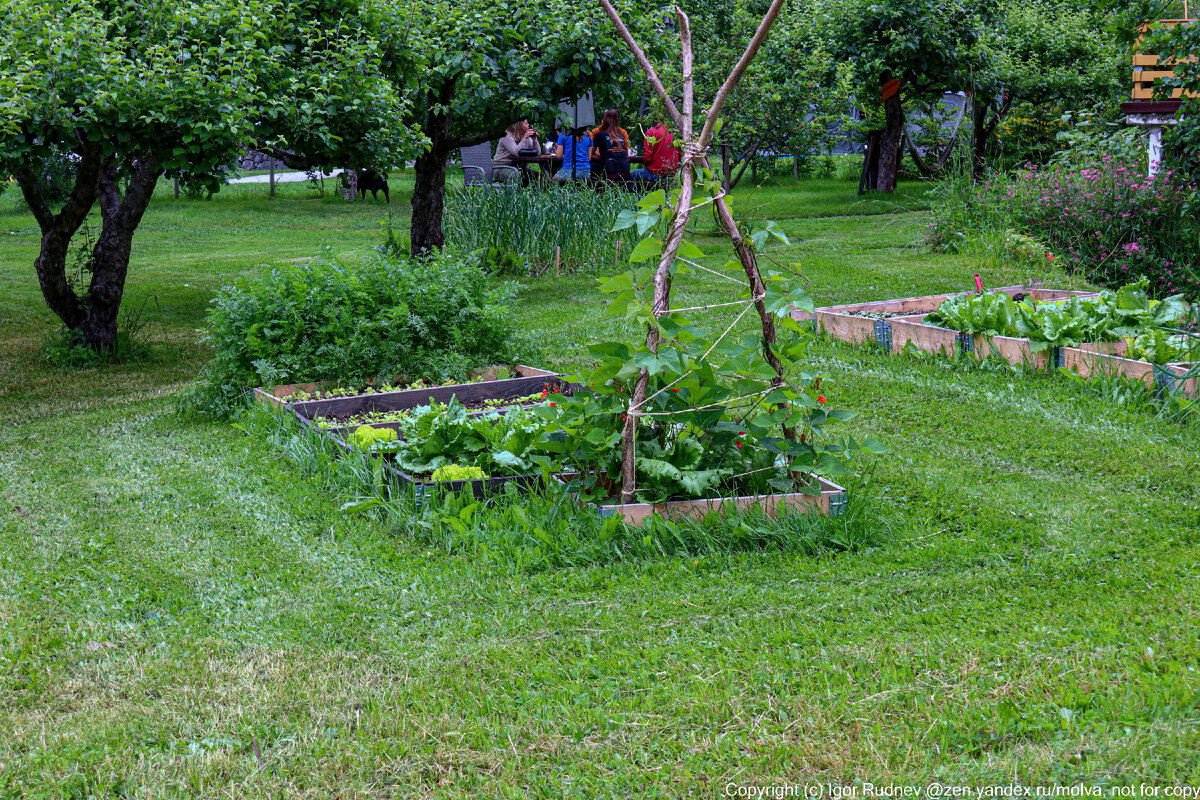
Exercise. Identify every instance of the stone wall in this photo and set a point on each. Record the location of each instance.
(254, 160)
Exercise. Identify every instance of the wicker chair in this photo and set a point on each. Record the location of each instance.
(477, 166)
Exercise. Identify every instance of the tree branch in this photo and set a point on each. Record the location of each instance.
(478, 138)
(685, 47)
(760, 36)
(32, 192)
(644, 62)
(999, 114)
(744, 160)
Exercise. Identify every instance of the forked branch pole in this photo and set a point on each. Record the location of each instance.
(695, 149)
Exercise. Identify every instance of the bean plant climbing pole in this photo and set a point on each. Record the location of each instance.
(694, 169)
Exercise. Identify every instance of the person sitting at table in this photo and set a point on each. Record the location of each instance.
(660, 156)
(611, 146)
(573, 148)
(519, 139)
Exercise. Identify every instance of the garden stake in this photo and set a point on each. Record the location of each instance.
(557, 257)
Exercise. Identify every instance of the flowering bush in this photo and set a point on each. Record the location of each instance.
(1108, 222)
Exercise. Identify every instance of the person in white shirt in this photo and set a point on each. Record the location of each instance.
(519, 138)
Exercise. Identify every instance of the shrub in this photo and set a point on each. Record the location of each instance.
(518, 226)
(1111, 223)
(329, 321)
(1108, 222)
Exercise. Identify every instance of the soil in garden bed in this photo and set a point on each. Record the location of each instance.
(477, 406)
(878, 314)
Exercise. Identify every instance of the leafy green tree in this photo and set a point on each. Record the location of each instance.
(1038, 53)
(792, 98)
(1000, 51)
(923, 44)
(470, 68)
(134, 91)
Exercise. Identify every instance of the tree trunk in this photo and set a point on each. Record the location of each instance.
(51, 267)
(120, 216)
(890, 144)
(428, 203)
(58, 229)
(982, 129)
(429, 190)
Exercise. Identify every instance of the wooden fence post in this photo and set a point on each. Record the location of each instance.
(726, 169)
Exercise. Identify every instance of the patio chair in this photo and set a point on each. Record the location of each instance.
(477, 165)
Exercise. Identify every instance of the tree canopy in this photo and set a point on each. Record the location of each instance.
(469, 68)
(132, 91)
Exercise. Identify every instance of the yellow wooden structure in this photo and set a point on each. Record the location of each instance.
(1148, 68)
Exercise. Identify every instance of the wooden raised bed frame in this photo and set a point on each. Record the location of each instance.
(527, 381)
(830, 502)
(897, 333)
(894, 334)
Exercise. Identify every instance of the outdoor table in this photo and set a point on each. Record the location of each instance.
(550, 163)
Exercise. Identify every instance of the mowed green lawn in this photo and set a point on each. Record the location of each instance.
(183, 614)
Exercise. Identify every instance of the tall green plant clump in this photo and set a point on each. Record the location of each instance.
(326, 320)
(511, 221)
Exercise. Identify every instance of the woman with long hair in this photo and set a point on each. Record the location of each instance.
(611, 146)
(519, 138)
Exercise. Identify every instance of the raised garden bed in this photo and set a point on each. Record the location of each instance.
(1183, 379)
(830, 502)
(876, 322)
(1171, 378)
(882, 324)
(935, 339)
(277, 395)
(392, 419)
(527, 382)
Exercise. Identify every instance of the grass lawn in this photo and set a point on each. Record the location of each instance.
(183, 614)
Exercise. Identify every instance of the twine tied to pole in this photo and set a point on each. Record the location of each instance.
(693, 152)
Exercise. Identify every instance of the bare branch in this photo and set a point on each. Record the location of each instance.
(644, 62)
(685, 48)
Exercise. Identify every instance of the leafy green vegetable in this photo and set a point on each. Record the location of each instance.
(1160, 346)
(498, 444)
(1110, 316)
(365, 436)
(457, 472)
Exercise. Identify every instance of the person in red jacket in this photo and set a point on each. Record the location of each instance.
(661, 158)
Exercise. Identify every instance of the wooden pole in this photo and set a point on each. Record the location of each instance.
(272, 180)
(557, 257)
(618, 251)
(177, 188)
(694, 147)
